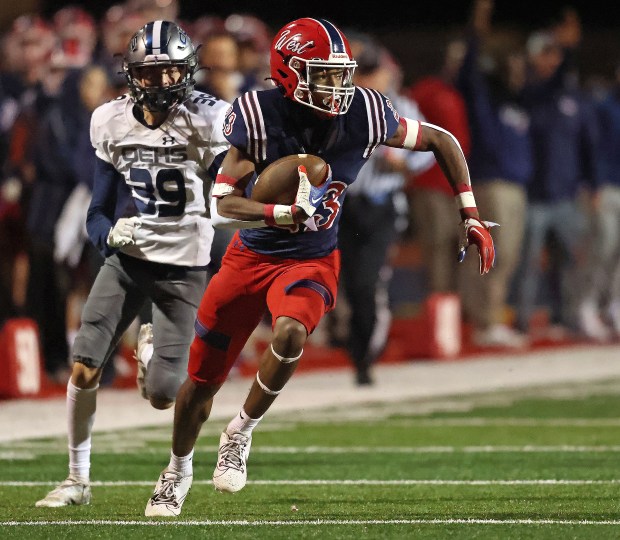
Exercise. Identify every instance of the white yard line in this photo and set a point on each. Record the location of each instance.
(318, 522)
(499, 422)
(123, 448)
(486, 449)
(332, 482)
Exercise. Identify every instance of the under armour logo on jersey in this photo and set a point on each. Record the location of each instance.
(168, 139)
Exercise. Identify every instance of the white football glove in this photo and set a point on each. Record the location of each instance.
(308, 196)
(122, 233)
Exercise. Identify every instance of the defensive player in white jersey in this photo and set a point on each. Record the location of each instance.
(158, 149)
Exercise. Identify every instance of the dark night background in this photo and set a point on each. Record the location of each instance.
(413, 30)
(381, 15)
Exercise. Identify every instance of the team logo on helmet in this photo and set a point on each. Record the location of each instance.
(292, 43)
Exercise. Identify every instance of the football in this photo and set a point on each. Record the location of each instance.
(278, 183)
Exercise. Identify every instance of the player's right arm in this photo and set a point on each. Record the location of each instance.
(231, 210)
(100, 216)
(104, 230)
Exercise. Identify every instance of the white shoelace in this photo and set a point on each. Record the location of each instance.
(165, 494)
(232, 452)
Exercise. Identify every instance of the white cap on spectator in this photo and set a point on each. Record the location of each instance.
(538, 42)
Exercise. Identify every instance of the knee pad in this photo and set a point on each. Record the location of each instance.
(163, 379)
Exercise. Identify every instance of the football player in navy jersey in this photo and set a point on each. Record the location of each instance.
(157, 149)
(284, 258)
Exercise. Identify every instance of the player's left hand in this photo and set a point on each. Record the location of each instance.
(309, 197)
(477, 232)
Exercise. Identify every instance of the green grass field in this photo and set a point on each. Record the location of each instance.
(541, 463)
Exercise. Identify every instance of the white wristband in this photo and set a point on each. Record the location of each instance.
(283, 214)
(465, 200)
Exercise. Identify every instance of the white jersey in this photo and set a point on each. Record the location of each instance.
(166, 170)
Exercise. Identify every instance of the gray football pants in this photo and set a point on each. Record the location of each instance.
(122, 286)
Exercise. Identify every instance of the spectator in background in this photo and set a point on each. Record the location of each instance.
(117, 27)
(72, 249)
(600, 306)
(501, 165)
(253, 40)
(48, 283)
(564, 134)
(10, 93)
(431, 197)
(149, 10)
(36, 160)
(369, 223)
(10, 191)
(220, 77)
(219, 56)
(28, 48)
(77, 35)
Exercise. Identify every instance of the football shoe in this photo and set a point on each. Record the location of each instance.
(231, 473)
(71, 492)
(169, 494)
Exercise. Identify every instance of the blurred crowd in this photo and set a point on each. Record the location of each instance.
(541, 147)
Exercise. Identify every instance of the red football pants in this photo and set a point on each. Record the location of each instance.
(236, 298)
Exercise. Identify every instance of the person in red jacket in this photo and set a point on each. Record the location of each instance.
(431, 197)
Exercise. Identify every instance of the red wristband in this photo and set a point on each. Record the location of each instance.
(225, 179)
(268, 213)
(463, 187)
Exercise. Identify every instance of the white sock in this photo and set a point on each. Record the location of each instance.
(182, 465)
(81, 406)
(242, 423)
(147, 353)
(71, 335)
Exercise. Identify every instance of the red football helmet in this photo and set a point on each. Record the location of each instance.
(308, 54)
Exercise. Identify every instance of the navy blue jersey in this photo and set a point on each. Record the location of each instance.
(267, 126)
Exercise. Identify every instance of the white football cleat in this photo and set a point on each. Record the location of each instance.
(590, 323)
(500, 335)
(71, 492)
(145, 337)
(231, 473)
(169, 495)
